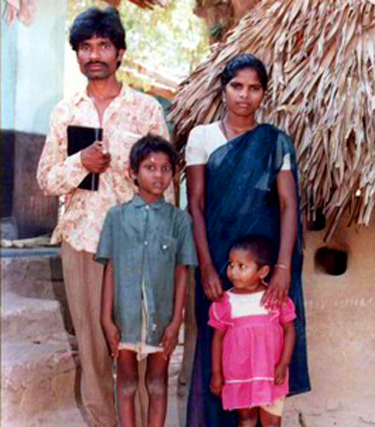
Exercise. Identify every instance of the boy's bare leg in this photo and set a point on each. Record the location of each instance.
(268, 419)
(141, 398)
(157, 388)
(248, 417)
(127, 382)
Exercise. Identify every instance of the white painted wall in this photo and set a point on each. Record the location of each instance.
(33, 68)
(8, 74)
(74, 80)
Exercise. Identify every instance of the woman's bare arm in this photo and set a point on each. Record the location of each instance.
(196, 195)
(280, 279)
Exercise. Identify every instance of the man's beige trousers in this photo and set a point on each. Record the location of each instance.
(83, 282)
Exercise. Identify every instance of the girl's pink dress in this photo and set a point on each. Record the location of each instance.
(252, 348)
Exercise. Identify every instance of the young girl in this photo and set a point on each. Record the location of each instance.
(146, 245)
(252, 345)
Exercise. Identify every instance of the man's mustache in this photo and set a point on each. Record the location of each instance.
(96, 63)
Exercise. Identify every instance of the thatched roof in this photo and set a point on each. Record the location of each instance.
(144, 4)
(321, 58)
(151, 82)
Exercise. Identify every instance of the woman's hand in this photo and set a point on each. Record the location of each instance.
(278, 288)
(216, 384)
(112, 335)
(170, 339)
(211, 282)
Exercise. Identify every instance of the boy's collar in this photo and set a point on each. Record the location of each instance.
(139, 202)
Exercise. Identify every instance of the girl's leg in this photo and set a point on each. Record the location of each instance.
(157, 388)
(268, 419)
(248, 417)
(127, 381)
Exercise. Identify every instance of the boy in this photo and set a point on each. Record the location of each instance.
(146, 245)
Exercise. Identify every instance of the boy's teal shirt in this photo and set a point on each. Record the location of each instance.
(145, 242)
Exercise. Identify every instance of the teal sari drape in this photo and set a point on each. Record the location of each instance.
(242, 198)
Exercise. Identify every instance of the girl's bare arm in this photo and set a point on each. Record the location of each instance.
(287, 353)
(217, 380)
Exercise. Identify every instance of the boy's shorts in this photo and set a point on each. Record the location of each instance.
(141, 348)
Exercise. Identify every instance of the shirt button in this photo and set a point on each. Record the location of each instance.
(146, 242)
(147, 207)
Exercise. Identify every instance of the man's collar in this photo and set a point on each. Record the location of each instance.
(82, 95)
(78, 97)
(139, 202)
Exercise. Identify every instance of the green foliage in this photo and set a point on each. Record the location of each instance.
(170, 40)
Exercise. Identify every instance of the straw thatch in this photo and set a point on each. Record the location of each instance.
(143, 4)
(321, 59)
(140, 77)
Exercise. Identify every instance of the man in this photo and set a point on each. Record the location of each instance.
(98, 38)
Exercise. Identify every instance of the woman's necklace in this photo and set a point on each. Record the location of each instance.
(234, 131)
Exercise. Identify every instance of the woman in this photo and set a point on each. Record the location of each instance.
(242, 178)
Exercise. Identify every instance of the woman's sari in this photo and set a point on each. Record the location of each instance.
(242, 198)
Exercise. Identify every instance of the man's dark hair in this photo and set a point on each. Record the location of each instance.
(98, 22)
(152, 144)
(260, 247)
(243, 62)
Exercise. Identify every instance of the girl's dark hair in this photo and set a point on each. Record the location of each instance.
(152, 144)
(242, 62)
(261, 248)
(98, 22)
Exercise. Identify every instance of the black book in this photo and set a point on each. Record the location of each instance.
(80, 137)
